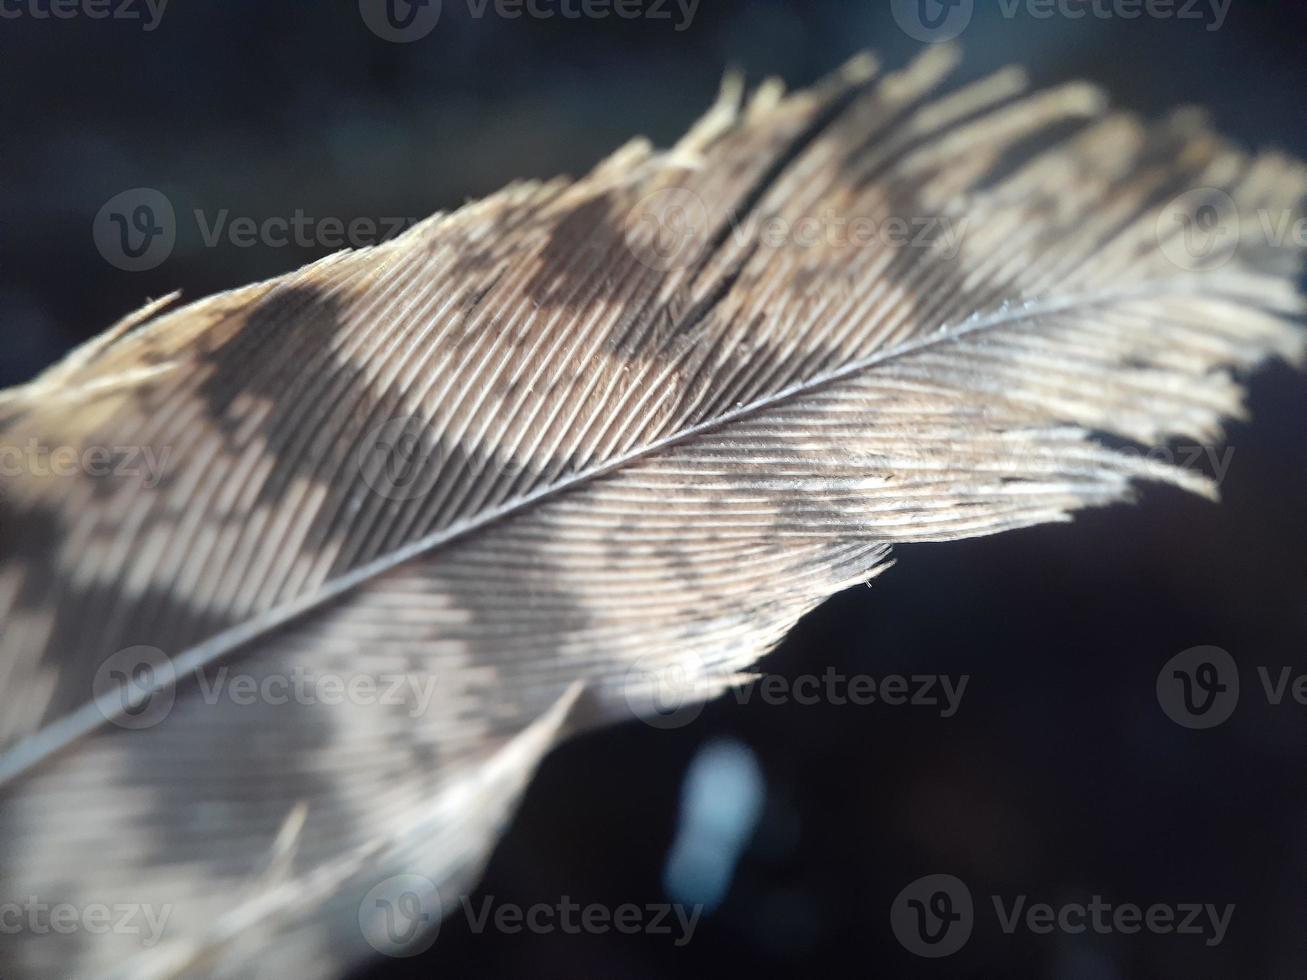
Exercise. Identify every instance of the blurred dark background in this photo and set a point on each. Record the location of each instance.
(1059, 778)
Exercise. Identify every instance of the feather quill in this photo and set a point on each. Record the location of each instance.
(534, 456)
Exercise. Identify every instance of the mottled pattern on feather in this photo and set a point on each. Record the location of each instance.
(632, 460)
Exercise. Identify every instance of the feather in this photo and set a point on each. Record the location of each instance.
(525, 463)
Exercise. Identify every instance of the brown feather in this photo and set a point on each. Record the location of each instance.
(535, 456)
